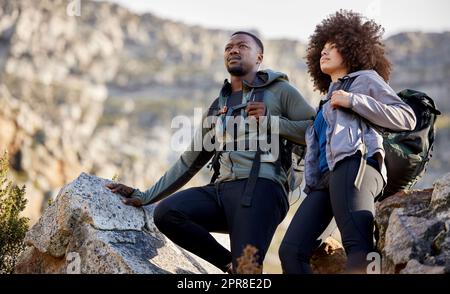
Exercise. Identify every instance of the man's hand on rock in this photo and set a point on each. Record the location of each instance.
(126, 192)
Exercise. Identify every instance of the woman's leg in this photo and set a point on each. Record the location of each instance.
(353, 210)
(308, 223)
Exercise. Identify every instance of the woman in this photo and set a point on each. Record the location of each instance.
(344, 163)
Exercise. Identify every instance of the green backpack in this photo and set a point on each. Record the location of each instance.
(408, 152)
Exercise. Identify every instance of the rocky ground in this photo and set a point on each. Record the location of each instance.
(87, 229)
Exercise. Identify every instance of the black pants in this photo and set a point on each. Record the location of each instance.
(188, 216)
(353, 210)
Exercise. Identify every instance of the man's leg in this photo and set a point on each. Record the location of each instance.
(254, 225)
(188, 216)
(301, 238)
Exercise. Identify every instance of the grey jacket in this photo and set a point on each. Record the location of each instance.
(281, 99)
(371, 99)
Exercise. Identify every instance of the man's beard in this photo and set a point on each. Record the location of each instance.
(237, 71)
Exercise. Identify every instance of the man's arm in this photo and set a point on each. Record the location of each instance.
(189, 163)
(298, 114)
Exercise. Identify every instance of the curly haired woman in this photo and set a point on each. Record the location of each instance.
(344, 164)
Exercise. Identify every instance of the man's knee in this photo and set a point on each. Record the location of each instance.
(165, 215)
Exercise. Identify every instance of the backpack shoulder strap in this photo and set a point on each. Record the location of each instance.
(257, 96)
(215, 109)
(346, 84)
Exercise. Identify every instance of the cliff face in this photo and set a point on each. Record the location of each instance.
(52, 91)
(421, 62)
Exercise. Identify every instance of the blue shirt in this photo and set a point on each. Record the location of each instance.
(320, 128)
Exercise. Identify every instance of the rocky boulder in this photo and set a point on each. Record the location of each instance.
(414, 230)
(329, 258)
(88, 229)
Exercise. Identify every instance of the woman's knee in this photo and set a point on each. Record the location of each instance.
(357, 234)
(294, 260)
(292, 253)
(285, 252)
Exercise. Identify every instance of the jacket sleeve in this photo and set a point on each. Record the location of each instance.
(372, 98)
(297, 115)
(189, 163)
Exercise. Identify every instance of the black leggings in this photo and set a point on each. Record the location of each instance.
(352, 209)
(188, 216)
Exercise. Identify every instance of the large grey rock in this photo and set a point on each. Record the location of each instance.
(441, 195)
(89, 230)
(415, 267)
(414, 230)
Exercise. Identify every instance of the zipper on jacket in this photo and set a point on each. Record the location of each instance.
(328, 141)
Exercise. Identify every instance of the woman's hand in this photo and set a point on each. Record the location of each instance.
(340, 98)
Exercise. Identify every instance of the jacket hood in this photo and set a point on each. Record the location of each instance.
(365, 72)
(263, 79)
(266, 77)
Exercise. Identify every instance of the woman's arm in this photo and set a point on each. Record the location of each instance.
(373, 99)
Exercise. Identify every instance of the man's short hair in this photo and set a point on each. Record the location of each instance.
(255, 38)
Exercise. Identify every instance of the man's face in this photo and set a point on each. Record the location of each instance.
(242, 55)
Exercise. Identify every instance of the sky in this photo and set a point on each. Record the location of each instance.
(297, 19)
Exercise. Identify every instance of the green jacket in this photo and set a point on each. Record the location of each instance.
(281, 99)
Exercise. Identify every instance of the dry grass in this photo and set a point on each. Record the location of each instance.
(248, 262)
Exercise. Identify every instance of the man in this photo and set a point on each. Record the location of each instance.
(248, 208)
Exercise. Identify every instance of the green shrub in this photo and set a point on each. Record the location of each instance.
(12, 226)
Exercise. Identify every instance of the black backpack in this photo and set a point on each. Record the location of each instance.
(407, 153)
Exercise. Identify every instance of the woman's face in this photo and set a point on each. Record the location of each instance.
(331, 60)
